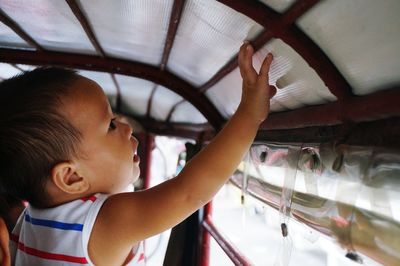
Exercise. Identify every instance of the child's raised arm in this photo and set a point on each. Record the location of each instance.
(128, 218)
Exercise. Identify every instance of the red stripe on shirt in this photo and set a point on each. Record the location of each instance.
(14, 238)
(47, 255)
(141, 257)
(91, 198)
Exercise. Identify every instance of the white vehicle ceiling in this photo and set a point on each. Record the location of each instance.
(172, 65)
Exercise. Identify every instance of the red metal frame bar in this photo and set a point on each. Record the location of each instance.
(173, 108)
(354, 109)
(257, 43)
(204, 256)
(150, 101)
(177, 129)
(173, 26)
(379, 105)
(233, 253)
(149, 142)
(375, 106)
(18, 30)
(293, 36)
(380, 133)
(86, 26)
(118, 107)
(289, 17)
(114, 65)
(297, 10)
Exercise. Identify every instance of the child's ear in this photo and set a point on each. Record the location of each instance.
(65, 177)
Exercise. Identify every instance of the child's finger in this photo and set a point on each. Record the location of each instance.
(266, 64)
(245, 62)
(264, 70)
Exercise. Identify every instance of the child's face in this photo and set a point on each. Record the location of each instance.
(107, 149)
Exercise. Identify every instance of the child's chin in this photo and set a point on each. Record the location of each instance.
(136, 175)
(128, 188)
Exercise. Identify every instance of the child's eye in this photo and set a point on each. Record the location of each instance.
(112, 125)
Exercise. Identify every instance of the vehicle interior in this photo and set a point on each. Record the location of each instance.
(324, 169)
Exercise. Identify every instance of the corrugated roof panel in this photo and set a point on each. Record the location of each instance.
(51, 23)
(8, 38)
(212, 29)
(163, 101)
(106, 83)
(135, 94)
(187, 113)
(298, 85)
(134, 30)
(225, 95)
(362, 39)
(278, 5)
(8, 71)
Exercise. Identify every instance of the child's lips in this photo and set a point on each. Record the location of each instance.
(136, 158)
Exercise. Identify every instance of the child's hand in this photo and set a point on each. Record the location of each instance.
(256, 91)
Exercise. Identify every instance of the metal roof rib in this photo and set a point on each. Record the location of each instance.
(18, 30)
(289, 17)
(283, 27)
(297, 10)
(86, 26)
(114, 65)
(169, 41)
(118, 104)
(150, 101)
(373, 106)
(173, 108)
(172, 28)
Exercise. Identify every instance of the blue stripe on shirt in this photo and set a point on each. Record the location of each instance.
(53, 224)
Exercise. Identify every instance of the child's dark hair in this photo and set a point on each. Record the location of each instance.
(34, 135)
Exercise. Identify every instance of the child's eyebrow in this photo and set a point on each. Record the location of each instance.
(107, 112)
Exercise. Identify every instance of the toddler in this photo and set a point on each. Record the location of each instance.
(64, 151)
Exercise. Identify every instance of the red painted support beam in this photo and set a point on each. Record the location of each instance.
(233, 253)
(173, 108)
(149, 145)
(257, 43)
(173, 27)
(118, 104)
(205, 238)
(150, 101)
(379, 105)
(86, 26)
(297, 10)
(289, 17)
(18, 30)
(113, 65)
(282, 27)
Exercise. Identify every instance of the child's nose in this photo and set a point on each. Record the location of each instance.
(129, 130)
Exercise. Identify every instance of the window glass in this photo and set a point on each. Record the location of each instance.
(164, 162)
(254, 228)
(217, 256)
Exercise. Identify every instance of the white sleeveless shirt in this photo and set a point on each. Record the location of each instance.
(59, 235)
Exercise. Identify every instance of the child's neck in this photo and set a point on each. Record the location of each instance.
(58, 197)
